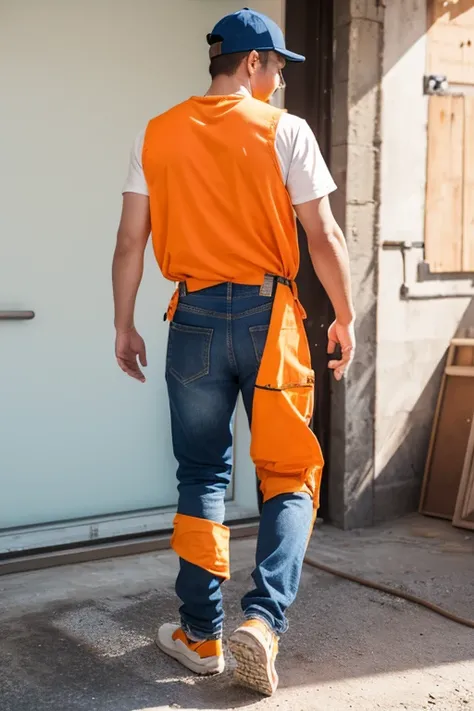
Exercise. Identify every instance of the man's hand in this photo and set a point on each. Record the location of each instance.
(345, 337)
(128, 346)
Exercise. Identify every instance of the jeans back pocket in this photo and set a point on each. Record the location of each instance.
(189, 352)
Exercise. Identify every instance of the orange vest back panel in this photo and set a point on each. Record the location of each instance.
(219, 208)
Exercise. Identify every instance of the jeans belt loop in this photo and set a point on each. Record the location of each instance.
(183, 289)
(268, 284)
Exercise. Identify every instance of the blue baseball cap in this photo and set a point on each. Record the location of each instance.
(248, 30)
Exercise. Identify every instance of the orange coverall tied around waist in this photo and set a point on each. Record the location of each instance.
(285, 451)
(220, 214)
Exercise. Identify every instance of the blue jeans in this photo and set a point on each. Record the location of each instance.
(215, 346)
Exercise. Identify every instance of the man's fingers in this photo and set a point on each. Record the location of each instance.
(331, 346)
(343, 363)
(142, 356)
(131, 368)
(340, 366)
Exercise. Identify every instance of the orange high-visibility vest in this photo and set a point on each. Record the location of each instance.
(220, 212)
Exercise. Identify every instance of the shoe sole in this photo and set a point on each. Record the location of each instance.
(254, 670)
(195, 667)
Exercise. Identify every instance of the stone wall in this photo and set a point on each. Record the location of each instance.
(382, 413)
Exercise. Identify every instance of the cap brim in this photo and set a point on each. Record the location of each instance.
(290, 56)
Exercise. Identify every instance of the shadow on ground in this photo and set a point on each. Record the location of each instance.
(81, 637)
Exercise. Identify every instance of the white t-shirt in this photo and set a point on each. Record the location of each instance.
(303, 168)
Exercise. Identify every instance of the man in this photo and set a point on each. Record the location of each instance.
(217, 180)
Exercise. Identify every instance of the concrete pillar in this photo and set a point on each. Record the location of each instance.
(355, 163)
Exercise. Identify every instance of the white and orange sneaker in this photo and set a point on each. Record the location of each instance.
(254, 647)
(204, 657)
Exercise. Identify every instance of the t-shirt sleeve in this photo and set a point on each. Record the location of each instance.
(304, 169)
(135, 182)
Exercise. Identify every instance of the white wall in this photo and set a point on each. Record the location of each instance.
(78, 80)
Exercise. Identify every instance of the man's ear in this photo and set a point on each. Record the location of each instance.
(252, 62)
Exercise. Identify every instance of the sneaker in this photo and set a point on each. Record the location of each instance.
(203, 657)
(254, 647)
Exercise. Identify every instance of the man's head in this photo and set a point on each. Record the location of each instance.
(251, 47)
(261, 71)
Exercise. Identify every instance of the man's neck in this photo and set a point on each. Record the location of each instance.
(227, 86)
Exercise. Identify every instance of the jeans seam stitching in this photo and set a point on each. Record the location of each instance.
(255, 310)
(230, 345)
(215, 314)
(200, 312)
(252, 330)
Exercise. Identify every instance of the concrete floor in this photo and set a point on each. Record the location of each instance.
(79, 637)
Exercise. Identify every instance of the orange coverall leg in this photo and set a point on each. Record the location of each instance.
(285, 451)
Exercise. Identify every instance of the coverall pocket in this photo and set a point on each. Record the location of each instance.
(189, 352)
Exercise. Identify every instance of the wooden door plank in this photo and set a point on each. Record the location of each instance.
(460, 371)
(464, 355)
(468, 198)
(449, 436)
(464, 511)
(466, 339)
(461, 11)
(429, 457)
(449, 448)
(450, 48)
(444, 185)
(468, 506)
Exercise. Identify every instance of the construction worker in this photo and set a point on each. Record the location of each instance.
(218, 179)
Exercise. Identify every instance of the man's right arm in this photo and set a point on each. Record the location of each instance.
(328, 251)
(309, 183)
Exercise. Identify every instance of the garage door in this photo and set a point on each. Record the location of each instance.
(86, 452)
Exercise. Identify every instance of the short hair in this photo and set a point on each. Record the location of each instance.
(228, 64)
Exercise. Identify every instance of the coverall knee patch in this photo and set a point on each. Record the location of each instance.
(203, 543)
(275, 483)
